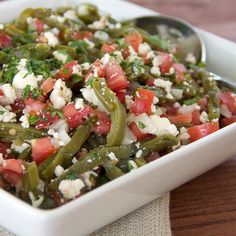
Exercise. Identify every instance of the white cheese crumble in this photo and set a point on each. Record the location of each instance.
(100, 24)
(1, 26)
(191, 58)
(105, 59)
(90, 43)
(86, 179)
(144, 49)
(70, 15)
(133, 165)
(19, 148)
(60, 94)
(101, 35)
(155, 125)
(165, 85)
(189, 109)
(52, 39)
(138, 153)
(129, 101)
(9, 94)
(59, 131)
(90, 96)
(24, 78)
(59, 170)
(7, 116)
(184, 134)
(79, 103)
(70, 189)
(82, 10)
(177, 93)
(129, 137)
(24, 121)
(60, 19)
(204, 117)
(60, 56)
(224, 111)
(35, 202)
(112, 157)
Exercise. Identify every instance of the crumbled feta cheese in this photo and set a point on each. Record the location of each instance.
(52, 39)
(191, 58)
(144, 49)
(74, 160)
(9, 94)
(112, 157)
(150, 55)
(59, 130)
(1, 26)
(184, 134)
(19, 148)
(70, 189)
(118, 56)
(204, 117)
(215, 120)
(35, 202)
(155, 71)
(165, 84)
(24, 78)
(60, 19)
(155, 100)
(153, 108)
(138, 153)
(7, 116)
(60, 56)
(90, 43)
(105, 59)
(40, 185)
(144, 123)
(133, 165)
(189, 109)
(99, 25)
(129, 137)
(133, 55)
(70, 15)
(24, 121)
(101, 35)
(129, 101)
(59, 170)
(79, 103)
(86, 178)
(224, 111)
(90, 96)
(60, 94)
(31, 23)
(177, 93)
(85, 66)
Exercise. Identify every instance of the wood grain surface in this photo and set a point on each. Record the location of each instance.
(206, 206)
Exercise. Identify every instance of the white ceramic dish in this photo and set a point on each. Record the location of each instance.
(127, 193)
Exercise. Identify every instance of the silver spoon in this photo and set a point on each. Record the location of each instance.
(183, 35)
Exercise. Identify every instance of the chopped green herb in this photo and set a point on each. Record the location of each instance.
(26, 91)
(141, 125)
(80, 46)
(2, 112)
(33, 119)
(38, 68)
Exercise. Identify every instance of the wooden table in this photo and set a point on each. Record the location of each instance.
(206, 206)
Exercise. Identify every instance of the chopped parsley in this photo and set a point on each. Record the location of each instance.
(141, 125)
(2, 112)
(33, 119)
(35, 93)
(10, 71)
(38, 68)
(57, 112)
(80, 45)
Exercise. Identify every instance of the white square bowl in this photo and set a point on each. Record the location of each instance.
(125, 194)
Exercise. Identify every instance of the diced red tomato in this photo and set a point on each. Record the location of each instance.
(134, 39)
(97, 65)
(150, 82)
(11, 177)
(84, 35)
(166, 63)
(108, 48)
(1, 92)
(3, 149)
(5, 41)
(103, 125)
(75, 117)
(125, 52)
(200, 131)
(115, 76)
(203, 103)
(170, 109)
(67, 71)
(136, 131)
(143, 101)
(121, 96)
(46, 119)
(47, 86)
(228, 100)
(227, 121)
(196, 117)
(180, 69)
(42, 148)
(183, 119)
(14, 165)
(34, 105)
(18, 106)
(39, 25)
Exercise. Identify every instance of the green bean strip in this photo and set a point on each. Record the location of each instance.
(112, 172)
(94, 158)
(31, 178)
(118, 113)
(158, 144)
(67, 152)
(12, 131)
(25, 155)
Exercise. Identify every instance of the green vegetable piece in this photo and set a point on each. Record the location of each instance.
(213, 107)
(13, 131)
(67, 152)
(96, 157)
(67, 50)
(88, 13)
(31, 178)
(25, 155)
(118, 113)
(112, 172)
(21, 20)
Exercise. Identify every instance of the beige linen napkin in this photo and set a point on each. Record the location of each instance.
(149, 220)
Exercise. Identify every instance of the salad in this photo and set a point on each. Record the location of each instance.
(85, 99)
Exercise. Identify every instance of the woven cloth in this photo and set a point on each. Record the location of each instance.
(149, 220)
